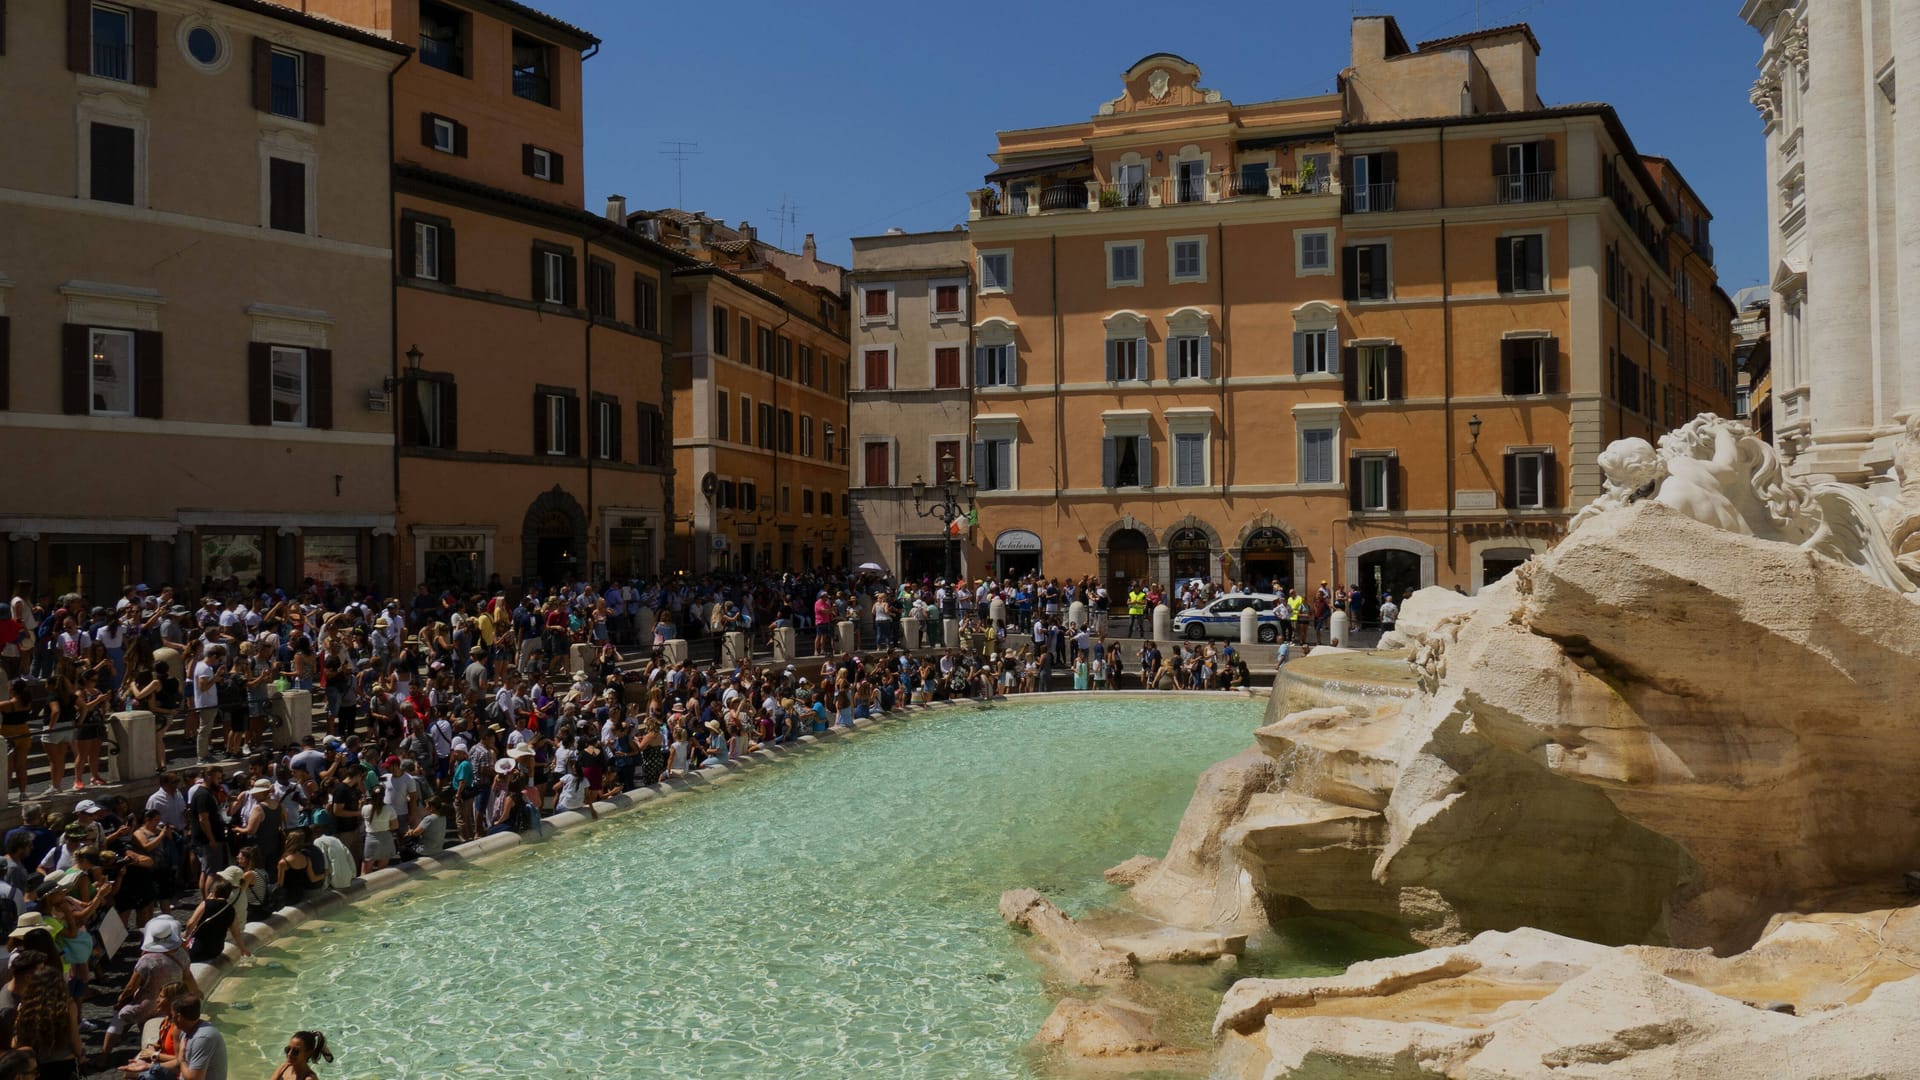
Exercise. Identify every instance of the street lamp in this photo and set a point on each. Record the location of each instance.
(948, 509)
(1473, 428)
(414, 356)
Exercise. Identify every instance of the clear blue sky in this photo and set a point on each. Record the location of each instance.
(866, 115)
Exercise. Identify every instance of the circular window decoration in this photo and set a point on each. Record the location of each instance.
(204, 45)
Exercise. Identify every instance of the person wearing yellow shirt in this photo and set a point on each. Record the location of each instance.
(1136, 610)
(1296, 612)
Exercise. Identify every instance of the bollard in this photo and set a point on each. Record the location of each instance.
(909, 633)
(1249, 626)
(293, 715)
(580, 657)
(643, 627)
(674, 651)
(846, 638)
(785, 648)
(1339, 627)
(134, 733)
(997, 612)
(735, 647)
(1162, 623)
(950, 633)
(1076, 614)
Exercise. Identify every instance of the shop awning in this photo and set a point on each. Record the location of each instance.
(1014, 170)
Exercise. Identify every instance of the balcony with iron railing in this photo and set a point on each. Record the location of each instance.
(1369, 199)
(533, 86)
(1524, 187)
(286, 99)
(112, 61)
(1086, 194)
(438, 52)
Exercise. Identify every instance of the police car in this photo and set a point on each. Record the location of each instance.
(1221, 618)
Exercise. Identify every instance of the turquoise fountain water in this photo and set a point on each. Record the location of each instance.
(830, 916)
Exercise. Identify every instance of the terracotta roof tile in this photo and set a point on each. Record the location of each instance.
(1490, 31)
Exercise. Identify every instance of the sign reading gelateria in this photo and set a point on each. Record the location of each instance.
(1017, 540)
(1496, 530)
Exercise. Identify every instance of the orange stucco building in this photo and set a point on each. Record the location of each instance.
(759, 384)
(529, 358)
(1313, 339)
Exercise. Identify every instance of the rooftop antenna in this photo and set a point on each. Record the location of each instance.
(679, 151)
(788, 215)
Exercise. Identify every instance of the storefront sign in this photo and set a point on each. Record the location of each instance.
(1017, 540)
(746, 529)
(457, 543)
(1510, 528)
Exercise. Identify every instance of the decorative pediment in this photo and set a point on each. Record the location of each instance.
(1160, 80)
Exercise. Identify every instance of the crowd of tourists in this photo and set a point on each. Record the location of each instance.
(450, 716)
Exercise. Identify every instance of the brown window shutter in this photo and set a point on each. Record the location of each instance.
(426, 124)
(1511, 497)
(1393, 484)
(1545, 155)
(320, 389)
(539, 276)
(146, 47)
(1350, 373)
(149, 375)
(410, 411)
(619, 452)
(262, 75)
(1503, 263)
(526, 159)
(79, 37)
(1355, 488)
(259, 384)
(1396, 373)
(316, 74)
(459, 139)
(1508, 352)
(573, 426)
(1350, 273)
(446, 255)
(1550, 367)
(6, 348)
(450, 415)
(1499, 159)
(559, 167)
(1549, 481)
(3, 52)
(570, 283)
(539, 422)
(76, 369)
(407, 250)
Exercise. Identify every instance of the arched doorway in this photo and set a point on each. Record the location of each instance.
(553, 539)
(1189, 555)
(1266, 561)
(1390, 572)
(1126, 561)
(1497, 563)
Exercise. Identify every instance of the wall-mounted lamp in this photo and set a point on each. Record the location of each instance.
(1473, 428)
(1159, 155)
(414, 356)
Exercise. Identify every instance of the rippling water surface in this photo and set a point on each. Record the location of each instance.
(833, 915)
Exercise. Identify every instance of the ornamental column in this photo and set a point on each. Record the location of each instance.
(1839, 308)
(1906, 203)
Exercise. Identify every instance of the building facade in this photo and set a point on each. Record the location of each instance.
(911, 405)
(194, 297)
(1310, 340)
(759, 391)
(530, 369)
(1843, 230)
(1753, 359)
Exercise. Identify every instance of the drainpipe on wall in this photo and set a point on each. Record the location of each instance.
(773, 376)
(1059, 374)
(587, 414)
(1446, 352)
(967, 365)
(1220, 242)
(393, 331)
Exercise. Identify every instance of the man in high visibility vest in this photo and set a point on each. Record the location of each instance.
(1136, 610)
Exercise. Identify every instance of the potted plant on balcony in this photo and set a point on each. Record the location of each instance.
(1109, 198)
(1306, 175)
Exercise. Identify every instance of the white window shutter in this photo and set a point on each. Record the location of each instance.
(1107, 451)
(980, 451)
(1143, 370)
(1206, 356)
(1003, 462)
(980, 365)
(1332, 351)
(1146, 461)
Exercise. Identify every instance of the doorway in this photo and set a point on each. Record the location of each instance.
(1193, 181)
(1126, 561)
(1500, 562)
(1388, 573)
(922, 559)
(553, 539)
(1266, 561)
(96, 569)
(1189, 556)
(556, 560)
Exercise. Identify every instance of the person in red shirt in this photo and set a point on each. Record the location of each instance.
(822, 622)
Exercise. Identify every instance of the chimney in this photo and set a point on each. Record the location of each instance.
(747, 232)
(807, 249)
(617, 209)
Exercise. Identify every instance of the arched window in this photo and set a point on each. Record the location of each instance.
(1189, 344)
(996, 360)
(1128, 359)
(1316, 340)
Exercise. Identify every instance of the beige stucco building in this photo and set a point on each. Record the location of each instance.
(910, 399)
(1843, 229)
(195, 296)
